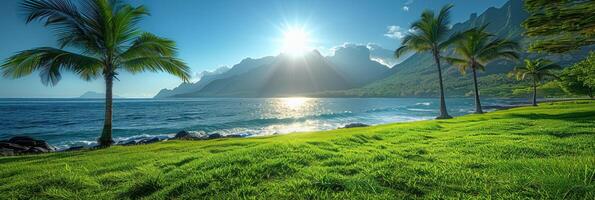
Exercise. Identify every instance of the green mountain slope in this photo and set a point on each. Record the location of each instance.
(417, 75)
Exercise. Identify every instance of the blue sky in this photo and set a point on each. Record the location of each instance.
(218, 33)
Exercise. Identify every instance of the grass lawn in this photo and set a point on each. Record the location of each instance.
(545, 152)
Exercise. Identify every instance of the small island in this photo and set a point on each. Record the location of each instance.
(96, 95)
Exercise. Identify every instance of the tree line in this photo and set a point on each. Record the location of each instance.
(475, 48)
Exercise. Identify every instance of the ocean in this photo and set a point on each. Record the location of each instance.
(78, 122)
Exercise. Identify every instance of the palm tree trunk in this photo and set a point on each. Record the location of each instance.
(534, 93)
(478, 109)
(443, 111)
(106, 136)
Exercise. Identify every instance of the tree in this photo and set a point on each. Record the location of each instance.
(430, 33)
(108, 40)
(476, 49)
(580, 77)
(560, 25)
(535, 70)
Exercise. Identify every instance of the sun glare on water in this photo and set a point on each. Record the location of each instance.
(295, 41)
(294, 103)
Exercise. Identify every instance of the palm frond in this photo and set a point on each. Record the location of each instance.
(66, 21)
(401, 51)
(170, 65)
(50, 62)
(461, 64)
(150, 45)
(442, 21)
(124, 23)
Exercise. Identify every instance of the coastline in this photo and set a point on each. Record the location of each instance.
(549, 147)
(201, 135)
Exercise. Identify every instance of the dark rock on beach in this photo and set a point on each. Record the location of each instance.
(355, 125)
(149, 141)
(30, 142)
(183, 135)
(75, 148)
(128, 143)
(201, 135)
(214, 136)
(23, 145)
(6, 152)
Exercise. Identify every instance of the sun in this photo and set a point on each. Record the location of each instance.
(295, 41)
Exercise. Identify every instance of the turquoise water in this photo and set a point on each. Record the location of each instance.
(74, 122)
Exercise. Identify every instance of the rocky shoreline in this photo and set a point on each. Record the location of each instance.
(25, 145)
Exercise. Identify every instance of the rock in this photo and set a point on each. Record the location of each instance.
(37, 150)
(193, 135)
(14, 147)
(149, 141)
(214, 136)
(233, 136)
(75, 148)
(27, 141)
(128, 143)
(6, 152)
(238, 135)
(183, 135)
(24, 144)
(355, 125)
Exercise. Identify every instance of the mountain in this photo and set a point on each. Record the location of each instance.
(353, 62)
(385, 56)
(244, 66)
(96, 95)
(417, 75)
(285, 76)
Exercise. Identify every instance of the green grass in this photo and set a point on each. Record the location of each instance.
(546, 152)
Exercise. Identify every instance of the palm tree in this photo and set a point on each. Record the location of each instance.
(476, 49)
(430, 33)
(108, 41)
(536, 70)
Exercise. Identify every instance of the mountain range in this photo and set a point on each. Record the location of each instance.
(361, 70)
(287, 75)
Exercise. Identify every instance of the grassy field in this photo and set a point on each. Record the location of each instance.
(546, 152)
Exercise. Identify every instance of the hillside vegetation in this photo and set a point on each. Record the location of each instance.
(416, 76)
(545, 152)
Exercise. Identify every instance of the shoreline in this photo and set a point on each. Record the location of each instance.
(504, 151)
(143, 139)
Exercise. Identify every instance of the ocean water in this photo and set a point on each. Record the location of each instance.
(74, 122)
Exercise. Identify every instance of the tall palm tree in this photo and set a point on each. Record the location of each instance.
(536, 70)
(108, 41)
(430, 33)
(476, 49)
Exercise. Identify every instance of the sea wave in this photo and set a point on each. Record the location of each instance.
(270, 121)
(420, 110)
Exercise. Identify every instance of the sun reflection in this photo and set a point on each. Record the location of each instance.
(295, 103)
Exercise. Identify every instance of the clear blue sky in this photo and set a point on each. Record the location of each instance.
(218, 33)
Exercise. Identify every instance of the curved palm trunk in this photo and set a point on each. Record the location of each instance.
(534, 93)
(443, 111)
(478, 109)
(106, 136)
